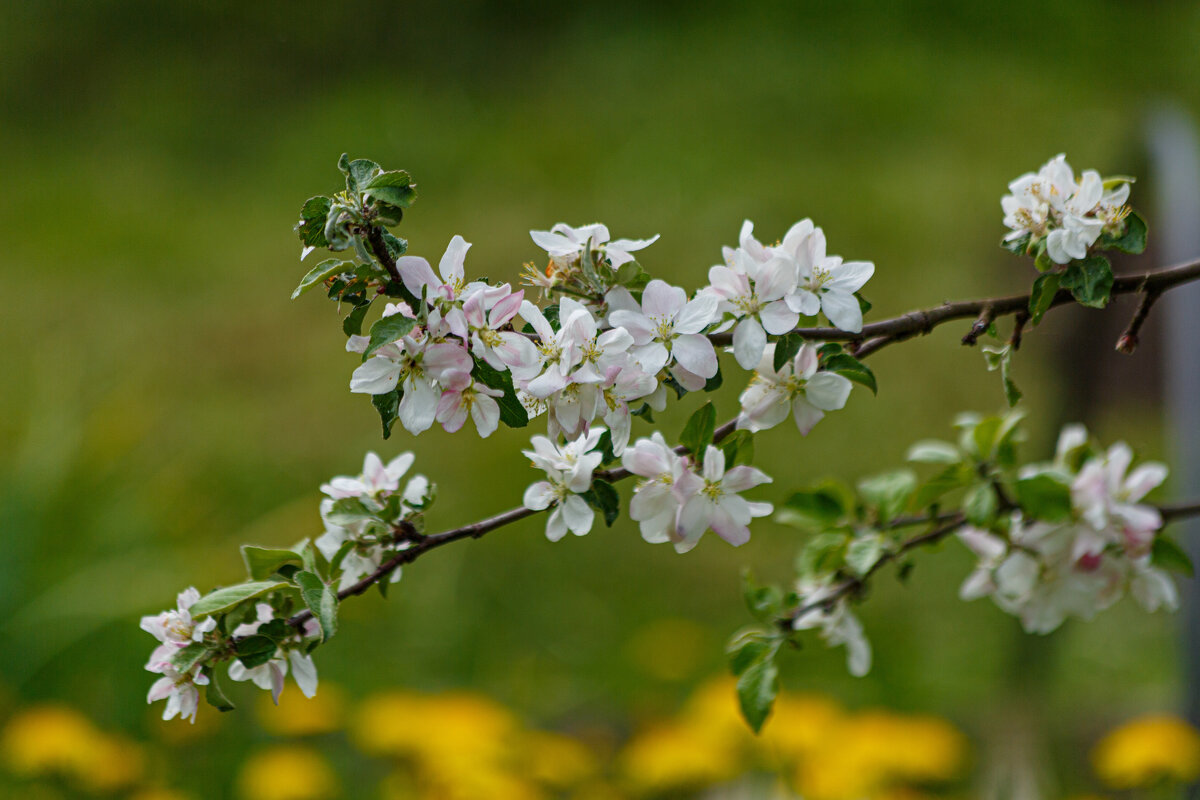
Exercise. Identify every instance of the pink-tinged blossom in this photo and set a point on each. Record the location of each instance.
(835, 622)
(451, 284)
(463, 396)
(270, 675)
(667, 327)
(177, 629)
(568, 469)
(178, 689)
(416, 367)
(501, 349)
(660, 495)
(1045, 572)
(752, 292)
(556, 358)
(377, 479)
(824, 283)
(714, 501)
(797, 389)
(565, 244)
(622, 386)
(593, 351)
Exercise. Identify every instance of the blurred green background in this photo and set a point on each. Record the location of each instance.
(164, 401)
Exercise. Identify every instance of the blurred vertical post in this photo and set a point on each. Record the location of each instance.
(1175, 162)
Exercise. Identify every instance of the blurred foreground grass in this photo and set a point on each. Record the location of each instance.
(164, 402)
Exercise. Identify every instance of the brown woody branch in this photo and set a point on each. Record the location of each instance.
(873, 337)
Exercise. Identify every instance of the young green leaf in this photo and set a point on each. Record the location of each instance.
(748, 646)
(387, 330)
(254, 651)
(388, 406)
(394, 188)
(1045, 495)
(1042, 296)
(512, 412)
(933, 451)
(311, 226)
(604, 498)
(320, 273)
(321, 600)
(213, 694)
(889, 492)
(698, 433)
(864, 552)
(1168, 555)
(757, 687)
(850, 367)
(1134, 238)
(979, 504)
(262, 562)
(786, 349)
(221, 600)
(1090, 281)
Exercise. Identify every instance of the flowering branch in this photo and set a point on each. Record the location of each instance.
(615, 345)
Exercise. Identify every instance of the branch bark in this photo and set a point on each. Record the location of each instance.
(873, 338)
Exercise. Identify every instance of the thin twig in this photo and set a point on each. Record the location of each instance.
(980, 327)
(1129, 339)
(873, 337)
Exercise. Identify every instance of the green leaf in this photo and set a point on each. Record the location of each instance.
(1134, 238)
(698, 432)
(512, 413)
(817, 508)
(352, 324)
(394, 188)
(220, 600)
(757, 687)
(864, 552)
(822, 554)
(261, 562)
(1045, 495)
(1042, 295)
(748, 646)
(714, 383)
(387, 330)
(764, 601)
(189, 656)
(311, 226)
(388, 406)
(850, 367)
(933, 451)
(318, 274)
(604, 498)
(738, 448)
(864, 305)
(1041, 258)
(397, 247)
(1001, 357)
(1168, 555)
(786, 349)
(321, 600)
(979, 504)
(348, 511)
(1090, 281)
(359, 173)
(889, 492)
(254, 651)
(632, 276)
(953, 477)
(213, 695)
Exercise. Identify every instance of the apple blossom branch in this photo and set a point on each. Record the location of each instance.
(873, 337)
(948, 524)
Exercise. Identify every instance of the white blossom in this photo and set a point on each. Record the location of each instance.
(824, 283)
(713, 501)
(797, 388)
(835, 621)
(659, 497)
(568, 471)
(565, 244)
(752, 292)
(667, 327)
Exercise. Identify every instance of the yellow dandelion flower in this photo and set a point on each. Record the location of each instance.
(799, 725)
(674, 756)
(160, 794)
(286, 772)
(1147, 750)
(554, 759)
(47, 739)
(297, 715)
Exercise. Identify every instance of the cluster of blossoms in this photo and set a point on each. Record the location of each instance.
(362, 533)
(368, 518)
(1043, 572)
(677, 500)
(185, 642)
(1050, 206)
(176, 630)
(615, 344)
